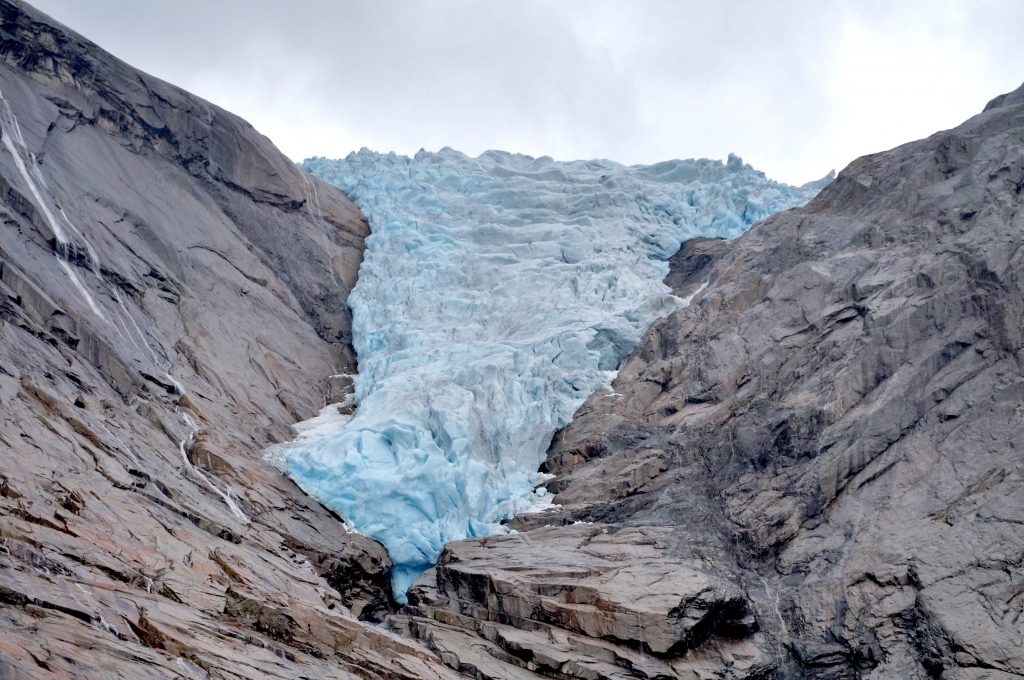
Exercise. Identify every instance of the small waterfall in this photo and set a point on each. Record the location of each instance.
(14, 142)
(69, 239)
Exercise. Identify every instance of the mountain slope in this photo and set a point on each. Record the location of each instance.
(172, 296)
(811, 471)
(814, 470)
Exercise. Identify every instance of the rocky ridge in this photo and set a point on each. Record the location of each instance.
(813, 471)
(172, 297)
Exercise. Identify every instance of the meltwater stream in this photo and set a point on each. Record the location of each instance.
(68, 238)
(495, 295)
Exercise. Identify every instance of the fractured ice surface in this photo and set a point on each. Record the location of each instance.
(496, 294)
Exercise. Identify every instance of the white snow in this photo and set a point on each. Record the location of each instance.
(496, 294)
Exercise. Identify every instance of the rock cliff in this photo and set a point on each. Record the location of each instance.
(813, 471)
(172, 297)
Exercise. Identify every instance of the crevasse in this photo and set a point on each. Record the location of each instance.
(496, 293)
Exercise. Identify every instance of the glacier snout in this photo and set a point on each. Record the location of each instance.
(496, 294)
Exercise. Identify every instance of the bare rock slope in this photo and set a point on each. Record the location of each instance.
(172, 295)
(813, 471)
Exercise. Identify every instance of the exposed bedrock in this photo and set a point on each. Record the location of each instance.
(172, 296)
(814, 470)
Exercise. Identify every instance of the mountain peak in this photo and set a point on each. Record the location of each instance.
(1014, 98)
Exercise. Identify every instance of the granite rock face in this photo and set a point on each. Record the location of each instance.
(813, 471)
(172, 296)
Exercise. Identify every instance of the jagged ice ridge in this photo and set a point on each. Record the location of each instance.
(496, 293)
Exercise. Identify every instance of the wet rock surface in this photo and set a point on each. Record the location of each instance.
(818, 460)
(813, 471)
(172, 296)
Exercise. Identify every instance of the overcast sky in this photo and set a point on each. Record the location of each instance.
(796, 88)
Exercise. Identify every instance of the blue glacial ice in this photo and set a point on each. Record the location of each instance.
(496, 294)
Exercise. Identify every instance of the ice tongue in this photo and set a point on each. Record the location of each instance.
(496, 293)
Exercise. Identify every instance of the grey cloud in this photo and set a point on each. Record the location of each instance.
(787, 85)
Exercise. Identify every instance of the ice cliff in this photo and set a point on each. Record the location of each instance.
(496, 294)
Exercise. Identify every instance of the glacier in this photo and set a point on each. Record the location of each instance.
(495, 295)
